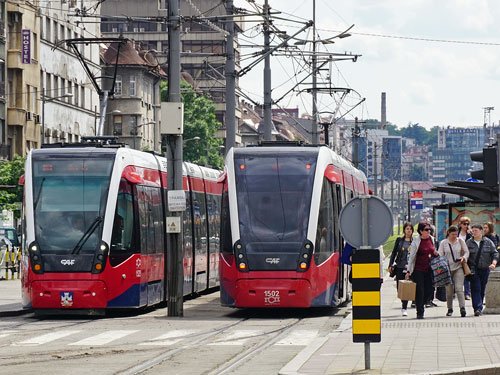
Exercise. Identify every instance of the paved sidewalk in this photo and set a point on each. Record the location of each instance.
(437, 344)
(10, 298)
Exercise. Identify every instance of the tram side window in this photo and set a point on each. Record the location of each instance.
(123, 238)
(336, 213)
(143, 217)
(225, 227)
(187, 225)
(324, 236)
(200, 223)
(213, 222)
(157, 220)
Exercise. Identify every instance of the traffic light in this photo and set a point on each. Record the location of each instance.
(489, 173)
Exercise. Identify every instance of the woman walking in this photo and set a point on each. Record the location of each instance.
(399, 259)
(489, 232)
(457, 252)
(421, 249)
(465, 234)
(483, 258)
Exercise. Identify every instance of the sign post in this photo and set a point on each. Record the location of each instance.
(372, 215)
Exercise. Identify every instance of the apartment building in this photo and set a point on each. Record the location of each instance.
(134, 113)
(203, 43)
(23, 77)
(4, 147)
(69, 100)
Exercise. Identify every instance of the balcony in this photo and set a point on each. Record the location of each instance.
(14, 59)
(16, 116)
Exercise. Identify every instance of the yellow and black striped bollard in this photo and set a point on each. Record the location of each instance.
(366, 325)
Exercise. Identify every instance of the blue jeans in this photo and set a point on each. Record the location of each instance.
(478, 287)
(467, 288)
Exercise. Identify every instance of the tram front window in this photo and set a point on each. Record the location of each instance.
(274, 196)
(69, 199)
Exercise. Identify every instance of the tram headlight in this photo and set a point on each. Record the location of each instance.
(242, 266)
(239, 252)
(35, 257)
(305, 256)
(100, 258)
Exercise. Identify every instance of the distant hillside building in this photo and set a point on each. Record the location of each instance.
(451, 158)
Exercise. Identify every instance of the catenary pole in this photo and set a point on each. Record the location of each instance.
(268, 118)
(314, 82)
(230, 73)
(174, 164)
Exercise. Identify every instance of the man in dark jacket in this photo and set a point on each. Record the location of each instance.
(483, 258)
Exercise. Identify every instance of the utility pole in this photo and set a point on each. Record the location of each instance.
(382, 171)
(355, 159)
(230, 73)
(314, 82)
(375, 171)
(399, 205)
(268, 118)
(392, 197)
(174, 256)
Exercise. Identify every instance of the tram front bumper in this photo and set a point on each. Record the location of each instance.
(273, 293)
(69, 294)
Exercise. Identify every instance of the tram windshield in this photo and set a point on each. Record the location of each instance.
(274, 197)
(69, 200)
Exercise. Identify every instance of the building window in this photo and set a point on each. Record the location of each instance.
(34, 96)
(77, 94)
(48, 84)
(82, 96)
(118, 85)
(133, 125)
(55, 31)
(117, 125)
(35, 46)
(132, 86)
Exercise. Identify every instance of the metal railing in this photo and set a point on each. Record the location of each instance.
(10, 261)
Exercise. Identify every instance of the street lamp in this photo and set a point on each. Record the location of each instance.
(44, 100)
(133, 131)
(191, 139)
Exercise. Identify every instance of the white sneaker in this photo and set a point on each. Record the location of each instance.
(404, 312)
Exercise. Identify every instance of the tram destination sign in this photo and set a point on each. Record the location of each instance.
(176, 200)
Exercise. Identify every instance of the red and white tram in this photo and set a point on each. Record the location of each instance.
(94, 228)
(280, 237)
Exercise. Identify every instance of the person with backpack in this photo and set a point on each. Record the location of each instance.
(421, 250)
(483, 258)
(399, 259)
(456, 252)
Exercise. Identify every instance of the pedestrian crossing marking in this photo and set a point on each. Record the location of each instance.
(238, 337)
(170, 338)
(44, 339)
(104, 338)
(299, 338)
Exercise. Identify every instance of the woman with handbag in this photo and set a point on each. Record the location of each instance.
(465, 234)
(399, 259)
(421, 249)
(457, 253)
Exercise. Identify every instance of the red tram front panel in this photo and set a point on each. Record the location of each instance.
(280, 239)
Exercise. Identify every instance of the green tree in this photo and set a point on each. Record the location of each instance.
(11, 193)
(199, 121)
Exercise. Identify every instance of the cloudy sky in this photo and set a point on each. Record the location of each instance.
(444, 82)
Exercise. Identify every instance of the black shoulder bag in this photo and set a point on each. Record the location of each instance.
(473, 267)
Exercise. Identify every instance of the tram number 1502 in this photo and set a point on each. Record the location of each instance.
(271, 297)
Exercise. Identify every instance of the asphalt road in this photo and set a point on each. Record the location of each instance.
(209, 339)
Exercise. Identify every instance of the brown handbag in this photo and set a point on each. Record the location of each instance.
(466, 267)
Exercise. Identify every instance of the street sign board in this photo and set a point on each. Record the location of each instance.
(417, 200)
(379, 221)
(176, 200)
